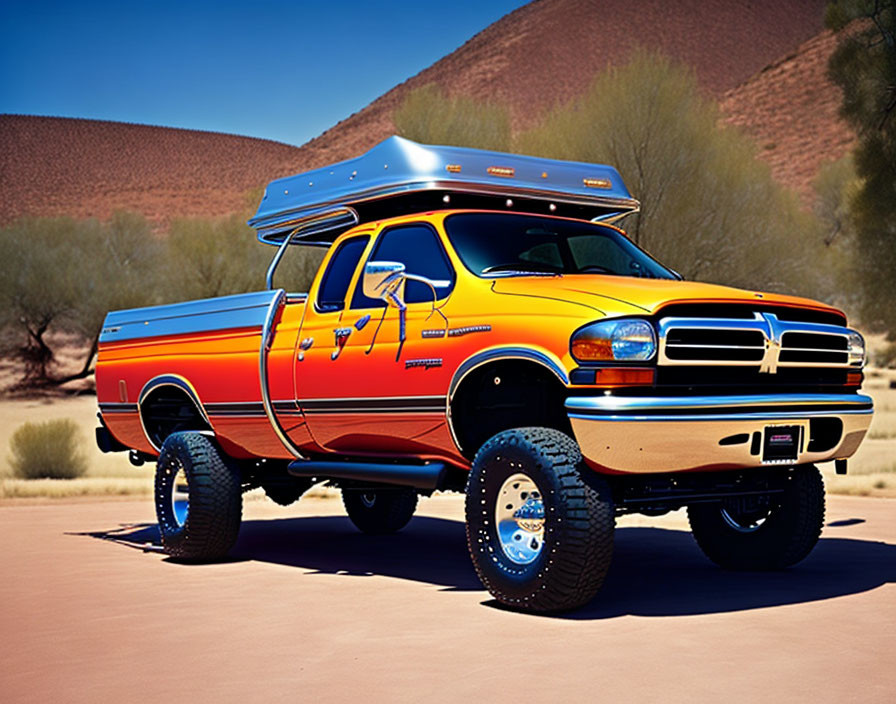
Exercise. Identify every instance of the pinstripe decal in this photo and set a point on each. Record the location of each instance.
(392, 404)
(118, 408)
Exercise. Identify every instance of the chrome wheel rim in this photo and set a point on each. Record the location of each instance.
(519, 517)
(180, 497)
(741, 524)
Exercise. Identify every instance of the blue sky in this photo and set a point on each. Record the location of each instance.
(267, 68)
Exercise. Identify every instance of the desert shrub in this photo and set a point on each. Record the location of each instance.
(205, 258)
(864, 67)
(427, 115)
(710, 209)
(835, 187)
(63, 275)
(48, 450)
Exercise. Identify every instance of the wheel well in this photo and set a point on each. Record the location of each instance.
(169, 409)
(506, 394)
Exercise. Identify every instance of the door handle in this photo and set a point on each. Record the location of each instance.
(340, 338)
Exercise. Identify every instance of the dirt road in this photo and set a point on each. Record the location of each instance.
(310, 610)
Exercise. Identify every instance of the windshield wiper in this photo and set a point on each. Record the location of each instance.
(523, 268)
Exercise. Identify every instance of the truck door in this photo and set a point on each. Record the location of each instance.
(371, 392)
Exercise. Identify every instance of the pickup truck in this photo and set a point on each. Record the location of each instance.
(479, 324)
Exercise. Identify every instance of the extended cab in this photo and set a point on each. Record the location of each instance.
(478, 324)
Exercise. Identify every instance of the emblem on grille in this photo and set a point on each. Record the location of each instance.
(769, 364)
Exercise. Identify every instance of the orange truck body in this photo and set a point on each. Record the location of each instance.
(478, 324)
(379, 398)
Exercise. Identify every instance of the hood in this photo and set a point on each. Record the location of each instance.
(623, 295)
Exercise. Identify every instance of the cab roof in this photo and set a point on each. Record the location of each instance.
(399, 177)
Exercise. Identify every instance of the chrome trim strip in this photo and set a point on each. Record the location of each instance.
(591, 405)
(714, 417)
(343, 399)
(358, 410)
(267, 337)
(773, 331)
(245, 310)
(266, 224)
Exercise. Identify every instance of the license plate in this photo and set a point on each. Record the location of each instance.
(781, 443)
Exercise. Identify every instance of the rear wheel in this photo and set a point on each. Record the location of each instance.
(380, 510)
(763, 533)
(198, 498)
(539, 524)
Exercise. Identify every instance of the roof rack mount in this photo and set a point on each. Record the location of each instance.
(399, 177)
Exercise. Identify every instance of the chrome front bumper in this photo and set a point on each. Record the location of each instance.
(657, 434)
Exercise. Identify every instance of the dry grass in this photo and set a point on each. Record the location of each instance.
(107, 475)
(69, 488)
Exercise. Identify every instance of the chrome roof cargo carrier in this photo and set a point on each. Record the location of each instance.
(399, 176)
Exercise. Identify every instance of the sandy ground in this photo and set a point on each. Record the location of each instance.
(310, 610)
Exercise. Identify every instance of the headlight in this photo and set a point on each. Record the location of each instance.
(856, 348)
(614, 340)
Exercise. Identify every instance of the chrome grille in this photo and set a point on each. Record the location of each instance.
(806, 348)
(763, 341)
(722, 345)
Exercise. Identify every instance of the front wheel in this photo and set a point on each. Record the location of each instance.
(198, 498)
(539, 524)
(763, 533)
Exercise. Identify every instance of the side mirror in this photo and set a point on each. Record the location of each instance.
(385, 280)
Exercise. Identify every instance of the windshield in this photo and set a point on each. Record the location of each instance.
(507, 244)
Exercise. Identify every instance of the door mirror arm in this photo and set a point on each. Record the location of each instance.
(385, 280)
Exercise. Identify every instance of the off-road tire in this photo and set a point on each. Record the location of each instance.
(215, 495)
(787, 535)
(380, 511)
(579, 521)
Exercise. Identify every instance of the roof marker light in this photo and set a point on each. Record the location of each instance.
(453, 168)
(506, 171)
(597, 183)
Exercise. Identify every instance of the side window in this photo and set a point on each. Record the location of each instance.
(337, 277)
(419, 249)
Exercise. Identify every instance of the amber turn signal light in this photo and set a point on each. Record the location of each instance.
(854, 378)
(614, 376)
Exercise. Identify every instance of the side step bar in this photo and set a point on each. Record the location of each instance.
(419, 476)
